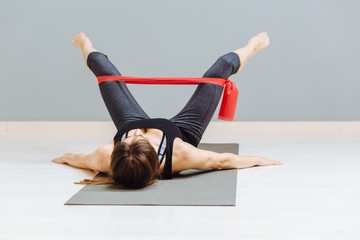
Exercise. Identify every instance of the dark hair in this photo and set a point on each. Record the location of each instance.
(134, 165)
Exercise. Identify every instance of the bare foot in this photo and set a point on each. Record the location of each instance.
(258, 42)
(81, 42)
(253, 46)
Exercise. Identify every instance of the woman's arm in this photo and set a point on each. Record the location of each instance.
(236, 161)
(98, 161)
(190, 157)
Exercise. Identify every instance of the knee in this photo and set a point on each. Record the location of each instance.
(100, 65)
(225, 66)
(96, 58)
(230, 60)
(226, 60)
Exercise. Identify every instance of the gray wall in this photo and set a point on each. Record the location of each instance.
(309, 72)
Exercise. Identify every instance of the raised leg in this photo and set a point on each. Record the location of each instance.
(194, 118)
(120, 103)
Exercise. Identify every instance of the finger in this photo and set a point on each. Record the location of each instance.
(272, 162)
(58, 160)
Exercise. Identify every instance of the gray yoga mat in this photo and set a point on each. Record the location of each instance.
(191, 187)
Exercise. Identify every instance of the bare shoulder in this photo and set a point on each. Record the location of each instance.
(102, 157)
(180, 148)
(186, 156)
(107, 149)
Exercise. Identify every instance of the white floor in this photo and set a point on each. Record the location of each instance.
(314, 195)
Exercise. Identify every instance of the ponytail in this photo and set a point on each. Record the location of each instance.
(96, 181)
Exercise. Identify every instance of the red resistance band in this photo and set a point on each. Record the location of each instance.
(228, 104)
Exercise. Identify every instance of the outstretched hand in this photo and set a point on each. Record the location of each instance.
(237, 161)
(262, 161)
(98, 161)
(75, 160)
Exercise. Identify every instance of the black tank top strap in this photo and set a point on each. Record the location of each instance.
(162, 148)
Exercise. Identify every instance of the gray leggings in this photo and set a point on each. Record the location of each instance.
(192, 119)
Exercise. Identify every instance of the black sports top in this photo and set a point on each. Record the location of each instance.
(170, 132)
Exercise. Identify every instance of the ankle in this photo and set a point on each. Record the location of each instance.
(245, 53)
(86, 47)
(251, 48)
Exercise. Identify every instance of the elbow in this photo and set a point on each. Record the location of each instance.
(226, 161)
(222, 162)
